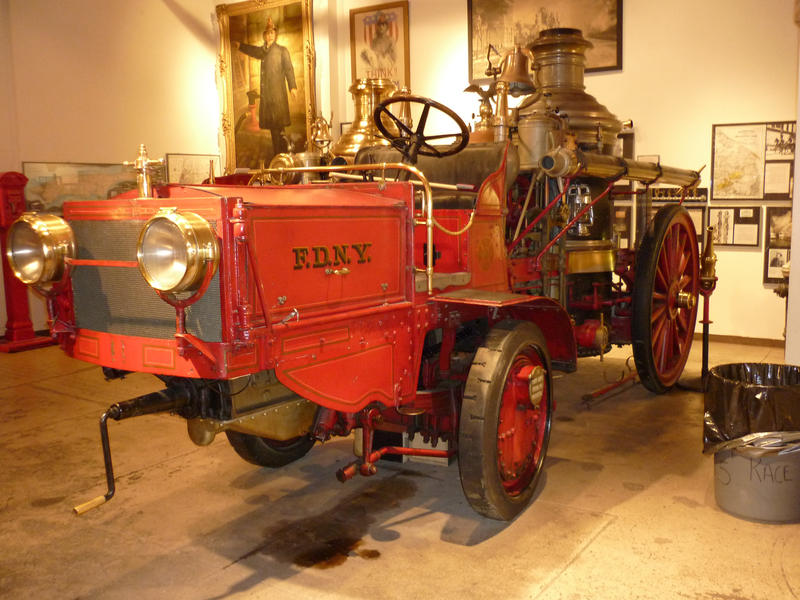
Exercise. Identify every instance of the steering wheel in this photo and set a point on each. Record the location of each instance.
(413, 143)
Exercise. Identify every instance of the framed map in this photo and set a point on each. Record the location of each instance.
(753, 161)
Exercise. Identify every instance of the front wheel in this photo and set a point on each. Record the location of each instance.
(265, 452)
(505, 420)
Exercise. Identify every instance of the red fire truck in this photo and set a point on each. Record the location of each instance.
(419, 288)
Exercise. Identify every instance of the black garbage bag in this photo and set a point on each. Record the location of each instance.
(743, 399)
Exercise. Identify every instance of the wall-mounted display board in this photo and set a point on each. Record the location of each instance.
(698, 214)
(777, 242)
(191, 168)
(695, 201)
(753, 161)
(674, 194)
(50, 184)
(736, 225)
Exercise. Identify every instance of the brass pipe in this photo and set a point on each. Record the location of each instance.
(563, 162)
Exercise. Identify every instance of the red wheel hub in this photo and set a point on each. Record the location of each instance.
(522, 421)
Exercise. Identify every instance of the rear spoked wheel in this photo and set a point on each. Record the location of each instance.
(505, 420)
(665, 298)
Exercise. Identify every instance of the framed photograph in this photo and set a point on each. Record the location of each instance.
(266, 77)
(753, 161)
(504, 24)
(191, 168)
(379, 42)
(699, 215)
(50, 184)
(736, 225)
(777, 242)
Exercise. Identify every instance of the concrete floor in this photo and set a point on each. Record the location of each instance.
(625, 510)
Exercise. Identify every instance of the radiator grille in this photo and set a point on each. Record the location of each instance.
(118, 299)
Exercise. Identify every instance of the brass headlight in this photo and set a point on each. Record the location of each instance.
(176, 250)
(37, 247)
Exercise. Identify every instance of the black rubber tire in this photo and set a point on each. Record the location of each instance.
(265, 452)
(478, 459)
(661, 380)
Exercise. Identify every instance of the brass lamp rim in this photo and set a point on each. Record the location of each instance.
(199, 240)
(57, 242)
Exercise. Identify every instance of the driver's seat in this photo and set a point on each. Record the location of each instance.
(468, 169)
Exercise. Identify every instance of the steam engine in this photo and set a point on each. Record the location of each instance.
(409, 283)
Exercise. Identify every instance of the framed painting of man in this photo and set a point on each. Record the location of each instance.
(504, 23)
(266, 76)
(379, 42)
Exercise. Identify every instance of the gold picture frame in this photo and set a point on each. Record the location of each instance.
(379, 47)
(253, 112)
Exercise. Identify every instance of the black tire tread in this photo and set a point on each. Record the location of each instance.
(477, 438)
(264, 452)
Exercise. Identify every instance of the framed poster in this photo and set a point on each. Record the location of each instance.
(505, 23)
(266, 66)
(753, 161)
(379, 43)
(736, 225)
(777, 242)
(50, 184)
(191, 168)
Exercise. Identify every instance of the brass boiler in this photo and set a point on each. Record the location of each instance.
(559, 62)
(367, 94)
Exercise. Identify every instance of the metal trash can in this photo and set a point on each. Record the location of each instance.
(752, 425)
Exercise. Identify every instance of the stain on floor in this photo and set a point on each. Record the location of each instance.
(328, 539)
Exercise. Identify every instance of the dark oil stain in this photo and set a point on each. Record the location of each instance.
(328, 539)
(327, 554)
(333, 553)
(564, 418)
(634, 487)
(135, 476)
(368, 554)
(42, 502)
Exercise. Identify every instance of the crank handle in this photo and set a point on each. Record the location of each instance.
(87, 506)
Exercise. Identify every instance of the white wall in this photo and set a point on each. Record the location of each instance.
(91, 79)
